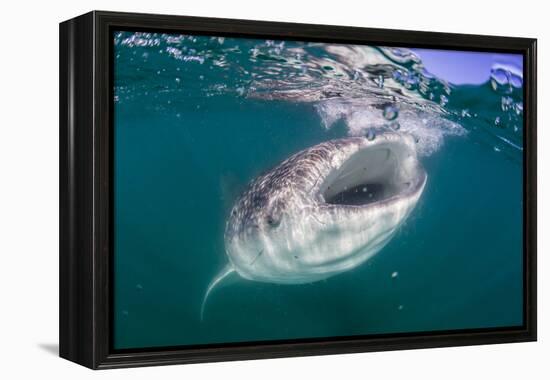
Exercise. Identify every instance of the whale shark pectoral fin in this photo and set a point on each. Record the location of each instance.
(222, 275)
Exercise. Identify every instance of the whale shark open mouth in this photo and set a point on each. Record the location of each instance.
(372, 175)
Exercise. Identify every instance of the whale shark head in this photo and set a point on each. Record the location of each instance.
(324, 210)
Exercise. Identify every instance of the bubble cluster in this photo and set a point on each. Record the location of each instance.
(370, 89)
(506, 78)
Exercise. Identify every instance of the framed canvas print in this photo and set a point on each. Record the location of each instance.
(237, 189)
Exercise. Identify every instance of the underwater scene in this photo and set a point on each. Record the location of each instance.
(284, 190)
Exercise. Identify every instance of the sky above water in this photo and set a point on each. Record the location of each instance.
(465, 67)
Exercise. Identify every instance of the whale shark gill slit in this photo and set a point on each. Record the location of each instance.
(257, 257)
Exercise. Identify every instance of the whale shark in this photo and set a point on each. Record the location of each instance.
(323, 211)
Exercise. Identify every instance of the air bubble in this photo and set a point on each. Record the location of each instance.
(391, 112)
(499, 77)
(380, 81)
(394, 275)
(370, 135)
(411, 82)
(395, 126)
(516, 81)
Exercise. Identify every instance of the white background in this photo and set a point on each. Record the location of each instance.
(29, 187)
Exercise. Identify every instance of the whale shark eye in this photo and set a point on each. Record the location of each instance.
(273, 221)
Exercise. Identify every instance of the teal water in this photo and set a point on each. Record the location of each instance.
(197, 118)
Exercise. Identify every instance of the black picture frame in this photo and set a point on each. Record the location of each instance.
(86, 189)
